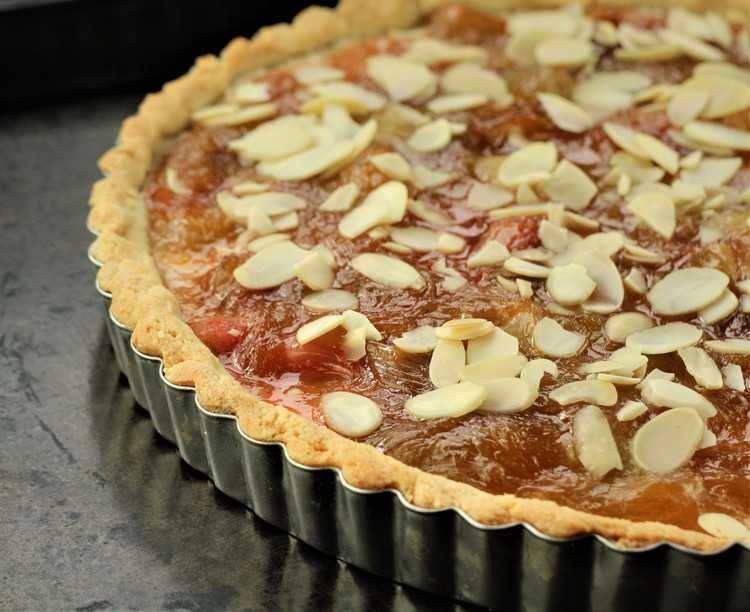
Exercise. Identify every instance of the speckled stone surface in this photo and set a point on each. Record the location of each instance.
(96, 511)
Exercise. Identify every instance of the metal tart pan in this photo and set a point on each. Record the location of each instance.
(505, 567)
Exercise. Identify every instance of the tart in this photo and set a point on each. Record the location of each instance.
(495, 258)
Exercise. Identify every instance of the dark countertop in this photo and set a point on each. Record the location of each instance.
(97, 511)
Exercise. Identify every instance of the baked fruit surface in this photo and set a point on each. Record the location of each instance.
(510, 250)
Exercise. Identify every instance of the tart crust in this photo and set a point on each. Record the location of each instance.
(141, 302)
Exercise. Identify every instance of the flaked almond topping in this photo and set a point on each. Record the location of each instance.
(354, 344)
(730, 346)
(669, 394)
(657, 211)
(570, 185)
(341, 199)
(433, 51)
(668, 441)
(711, 171)
(532, 163)
(508, 396)
(447, 362)
(591, 391)
(261, 243)
(490, 253)
(656, 374)
(249, 188)
(618, 379)
(329, 300)
(618, 327)
(419, 239)
(631, 410)
(635, 281)
(496, 343)
(725, 96)
(473, 79)
(426, 178)
(553, 237)
(250, 93)
(318, 327)
(275, 139)
(520, 211)
(456, 102)
(687, 290)
(635, 252)
(594, 443)
(354, 98)
(308, 163)
(428, 213)
(452, 279)
(464, 329)
(388, 271)
(356, 320)
(451, 401)
(392, 165)
(269, 203)
(664, 155)
(569, 285)
(610, 292)
(315, 271)
(534, 370)
(691, 46)
(232, 114)
(701, 367)
(350, 414)
(431, 137)
(395, 247)
(723, 307)
(719, 135)
(565, 114)
(487, 370)
(450, 243)
(518, 266)
(284, 222)
(665, 338)
(723, 526)
(420, 340)
(733, 377)
(652, 53)
(271, 267)
(568, 52)
(384, 205)
(686, 105)
(625, 138)
(552, 339)
(312, 75)
(488, 197)
(525, 288)
(401, 79)
(174, 183)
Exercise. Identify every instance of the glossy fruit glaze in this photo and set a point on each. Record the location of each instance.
(529, 454)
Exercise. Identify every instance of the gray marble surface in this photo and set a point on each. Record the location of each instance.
(96, 511)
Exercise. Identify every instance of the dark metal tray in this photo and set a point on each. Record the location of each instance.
(508, 567)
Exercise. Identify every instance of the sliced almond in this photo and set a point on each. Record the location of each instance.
(568, 52)
(266, 241)
(401, 79)
(311, 75)
(353, 97)
(419, 239)
(447, 363)
(610, 292)
(635, 281)
(591, 391)
(730, 346)
(496, 343)
(552, 339)
(452, 401)
(701, 367)
(618, 327)
(594, 443)
(665, 338)
(329, 300)
(723, 307)
(271, 267)
(488, 197)
(250, 93)
(360, 141)
(230, 114)
(341, 199)
(426, 178)
(487, 370)
(428, 213)
(508, 396)
(687, 290)
(524, 288)
(490, 253)
(383, 205)
(712, 171)
(532, 163)
(456, 102)
(392, 165)
(565, 114)
(570, 186)
(356, 320)
(417, 341)
(668, 441)
(722, 526)
(618, 379)
(308, 163)
(666, 393)
(388, 271)
(434, 51)
(664, 155)
(318, 327)
(733, 377)
(464, 329)
(350, 414)
(452, 280)
(719, 135)
(514, 265)
(450, 243)
(686, 105)
(354, 344)
(534, 370)
(631, 410)
(473, 79)
(431, 137)
(275, 139)
(315, 271)
(553, 237)
(691, 46)
(174, 183)
(569, 285)
(249, 188)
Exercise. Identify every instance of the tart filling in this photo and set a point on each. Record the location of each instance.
(513, 251)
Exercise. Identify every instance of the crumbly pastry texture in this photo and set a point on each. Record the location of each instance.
(141, 302)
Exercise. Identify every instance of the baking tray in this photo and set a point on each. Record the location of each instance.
(506, 567)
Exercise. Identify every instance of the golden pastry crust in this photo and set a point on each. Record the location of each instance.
(142, 303)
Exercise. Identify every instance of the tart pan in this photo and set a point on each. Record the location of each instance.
(506, 567)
